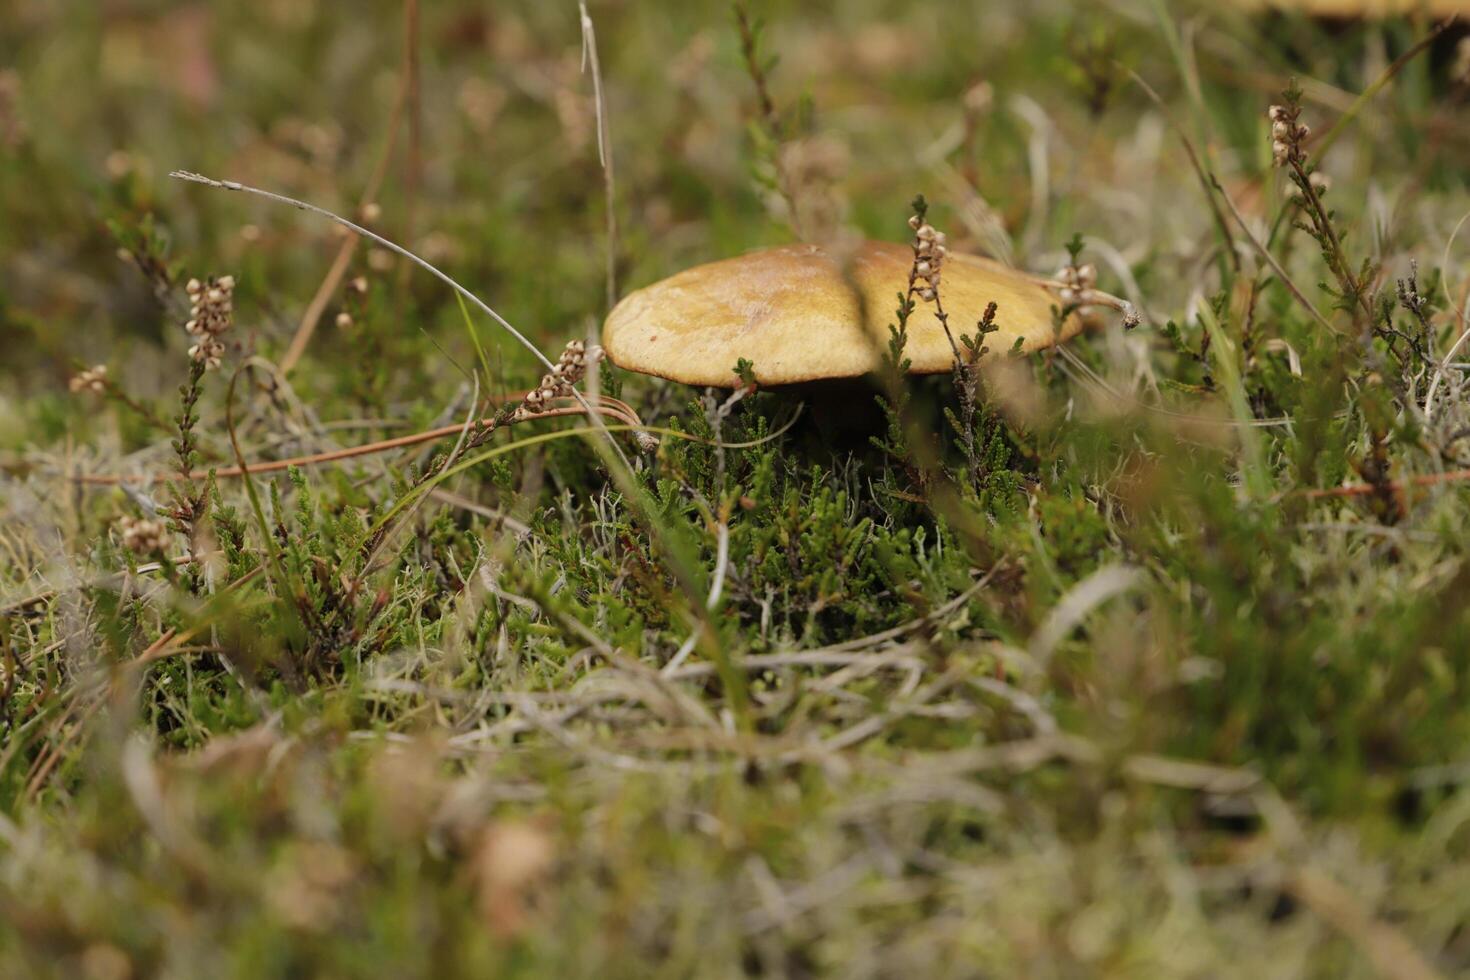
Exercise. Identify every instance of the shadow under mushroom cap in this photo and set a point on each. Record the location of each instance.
(791, 312)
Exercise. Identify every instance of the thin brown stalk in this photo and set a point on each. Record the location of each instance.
(1396, 486)
(1199, 170)
(608, 407)
(312, 316)
(1392, 70)
(1271, 260)
(414, 166)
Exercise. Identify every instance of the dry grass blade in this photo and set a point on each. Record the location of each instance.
(604, 149)
(1391, 954)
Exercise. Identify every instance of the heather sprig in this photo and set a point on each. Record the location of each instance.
(143, 536)
(565, 374)
(211, 315)
(96, 380)
(1289, 151)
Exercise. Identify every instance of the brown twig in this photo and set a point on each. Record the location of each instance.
(1423, 44)
(333, 279)
(1281, 273)
(1395, 486)
(604, 405)
(1206, 181)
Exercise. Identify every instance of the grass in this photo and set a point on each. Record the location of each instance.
(1148, 656)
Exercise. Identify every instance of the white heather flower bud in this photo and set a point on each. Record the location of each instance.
(927, 294)
(371, 212)
(93, 379)
(923, 268)
(978, 97)
(344, 320)
(141, 535)
(1279, 130)
(210, 314)
(359, 284)
(1276, 113)
(914, 222)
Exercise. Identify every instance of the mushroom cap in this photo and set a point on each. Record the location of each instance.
(790, 312)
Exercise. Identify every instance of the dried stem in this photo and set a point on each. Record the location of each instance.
(609, 407)
(323, 296)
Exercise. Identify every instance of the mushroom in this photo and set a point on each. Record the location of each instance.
(793, 313)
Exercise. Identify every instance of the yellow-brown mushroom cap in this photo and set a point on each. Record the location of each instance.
(792, 313)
